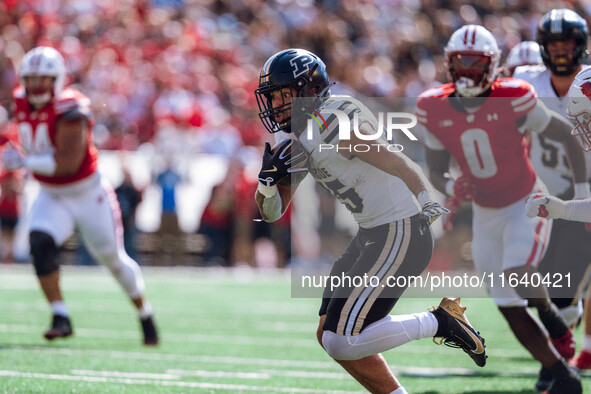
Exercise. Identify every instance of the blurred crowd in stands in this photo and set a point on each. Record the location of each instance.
(180, 74)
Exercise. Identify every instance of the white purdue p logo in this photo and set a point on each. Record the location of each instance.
(300, 64)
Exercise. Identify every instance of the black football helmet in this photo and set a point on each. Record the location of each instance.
(298, 69)
(558, 25)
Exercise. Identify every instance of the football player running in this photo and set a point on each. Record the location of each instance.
(55, 129)
(381, 189)
(481, 121)
(562, 37)
(546, 205)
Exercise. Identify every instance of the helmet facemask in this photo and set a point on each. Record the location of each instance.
(471, 72)
(582, 130)
(578, 109)
(279, 118)
(275, 118)
(567, 61)
(37, 90)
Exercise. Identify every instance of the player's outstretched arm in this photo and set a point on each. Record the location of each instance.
(70, 144)
(545, 205)
(69, 151)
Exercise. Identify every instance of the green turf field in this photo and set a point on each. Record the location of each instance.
(221, 332)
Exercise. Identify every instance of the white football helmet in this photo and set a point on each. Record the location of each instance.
(472, 58)
(43, 61)
(579, 109)
(526, 53)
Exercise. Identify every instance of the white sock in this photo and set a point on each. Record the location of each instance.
(146, 311)
(395, 330)
(427, 323)
(587, 343)
(385, 334)
(399, 390)
(59, 308)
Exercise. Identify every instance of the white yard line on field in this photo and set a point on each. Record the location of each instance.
(170, 374)
(297, 368)
(176, 374)
(34, 308)
(129, 375)
(164, 275)
(275, 372)
(397, 370)
(177, 337)
(201, 385)
(239, 340)
(265, 362)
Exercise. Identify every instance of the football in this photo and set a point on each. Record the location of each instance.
(300, 161)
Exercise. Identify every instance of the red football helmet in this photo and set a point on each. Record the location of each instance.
(472, 58)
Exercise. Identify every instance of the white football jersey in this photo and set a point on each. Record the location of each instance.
(547, 156)
(371, 195)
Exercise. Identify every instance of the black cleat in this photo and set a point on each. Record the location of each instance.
(545, 380)
(568, 384)
(150, 332)
(566, 380)
(60, 328)
(459, 333)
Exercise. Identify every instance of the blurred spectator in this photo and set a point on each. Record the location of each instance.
(129, 198)
(145, 62)
(180, 74)
(217, 221)
(243, 186)
(168, 180)
(11, 189)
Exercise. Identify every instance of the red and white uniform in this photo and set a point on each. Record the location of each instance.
(37, 130)
(84, 200)
(488, 143)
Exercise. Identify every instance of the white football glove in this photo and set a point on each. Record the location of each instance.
(545, 205)
(12, 159)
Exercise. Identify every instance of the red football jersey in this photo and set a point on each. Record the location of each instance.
(37, 130)
(486, 142)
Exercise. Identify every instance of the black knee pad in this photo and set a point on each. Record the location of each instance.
(44, 252)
